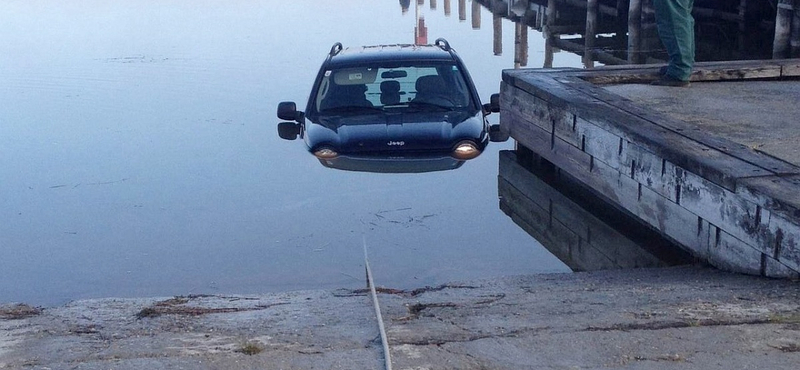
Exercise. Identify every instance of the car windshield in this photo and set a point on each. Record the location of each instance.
(403, 87)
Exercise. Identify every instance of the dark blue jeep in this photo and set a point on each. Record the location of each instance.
(391, 108)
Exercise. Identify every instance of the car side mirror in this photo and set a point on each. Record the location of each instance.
(288, 130)
(287, 110)
(494, 103)
(498, 135)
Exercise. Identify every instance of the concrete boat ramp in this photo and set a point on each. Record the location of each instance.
(714, 167)
(664, 318)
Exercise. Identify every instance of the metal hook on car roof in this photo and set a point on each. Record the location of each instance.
(335, 49)
(442, 43)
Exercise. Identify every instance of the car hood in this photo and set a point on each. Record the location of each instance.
(395, 131)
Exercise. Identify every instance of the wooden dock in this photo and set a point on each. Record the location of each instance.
(714, 167)
(615, 32)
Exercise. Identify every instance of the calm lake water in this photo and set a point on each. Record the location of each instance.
(139, 155)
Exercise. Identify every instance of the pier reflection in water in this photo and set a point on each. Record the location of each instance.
(572, 223)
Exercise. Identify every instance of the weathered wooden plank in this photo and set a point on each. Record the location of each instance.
(601, 144)
(663, 215)
(723, 208)
(659, 212)
(705, 71)
(779, 194)
(529, 135)
(725, 74)
(628, 158)
(551, 118)
(715, 165)
(653, 172)
(731, 254)
(776, 269)
(785, 235)
(537, 222)
(598, 246)
(533, 220)
(791, 70)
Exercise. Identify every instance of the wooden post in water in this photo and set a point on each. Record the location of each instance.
(794, 44)
(550, 21)
(783, 29)
(447, 8)
(476, 15)
(462, 10)
(743, 23)
(589, 36)
(497, 23)
(524, 45)
(520, 45)
(635, 32)
(433, 4)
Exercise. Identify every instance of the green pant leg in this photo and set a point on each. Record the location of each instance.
(676, 30)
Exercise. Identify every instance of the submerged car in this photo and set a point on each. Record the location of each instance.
(391, 108)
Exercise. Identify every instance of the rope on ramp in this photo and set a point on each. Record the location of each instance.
(386, 355)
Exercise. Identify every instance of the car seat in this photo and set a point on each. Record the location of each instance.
(431, 89)
(390, 92)
(346, 96)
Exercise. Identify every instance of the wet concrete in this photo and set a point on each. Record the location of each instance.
(668, 318)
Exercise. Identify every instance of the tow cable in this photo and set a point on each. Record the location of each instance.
(386, 355)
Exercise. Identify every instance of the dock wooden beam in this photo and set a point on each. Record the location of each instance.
(729, 204)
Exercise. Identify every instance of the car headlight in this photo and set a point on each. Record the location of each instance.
(325, 153)
(465, 150)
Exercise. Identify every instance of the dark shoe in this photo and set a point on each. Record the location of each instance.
(667, 80)
(663, 71)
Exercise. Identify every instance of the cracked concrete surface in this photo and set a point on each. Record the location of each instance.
(674, 318)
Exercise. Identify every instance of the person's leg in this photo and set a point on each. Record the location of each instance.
(676, 30)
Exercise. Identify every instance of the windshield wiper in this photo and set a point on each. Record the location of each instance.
(351, 109)
(421, 105)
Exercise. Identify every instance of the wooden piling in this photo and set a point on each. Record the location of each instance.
(634, 32)
(591, 32)
(783, 29)
(497, 23)
(794, 43)
(550, 22)
(476, 15)
(524, 46)
(462, 10)
(520, 45)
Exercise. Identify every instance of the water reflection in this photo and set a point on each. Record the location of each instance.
(572, 223)
(142, 160)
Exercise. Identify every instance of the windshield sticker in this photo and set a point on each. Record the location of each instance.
(355, 76)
